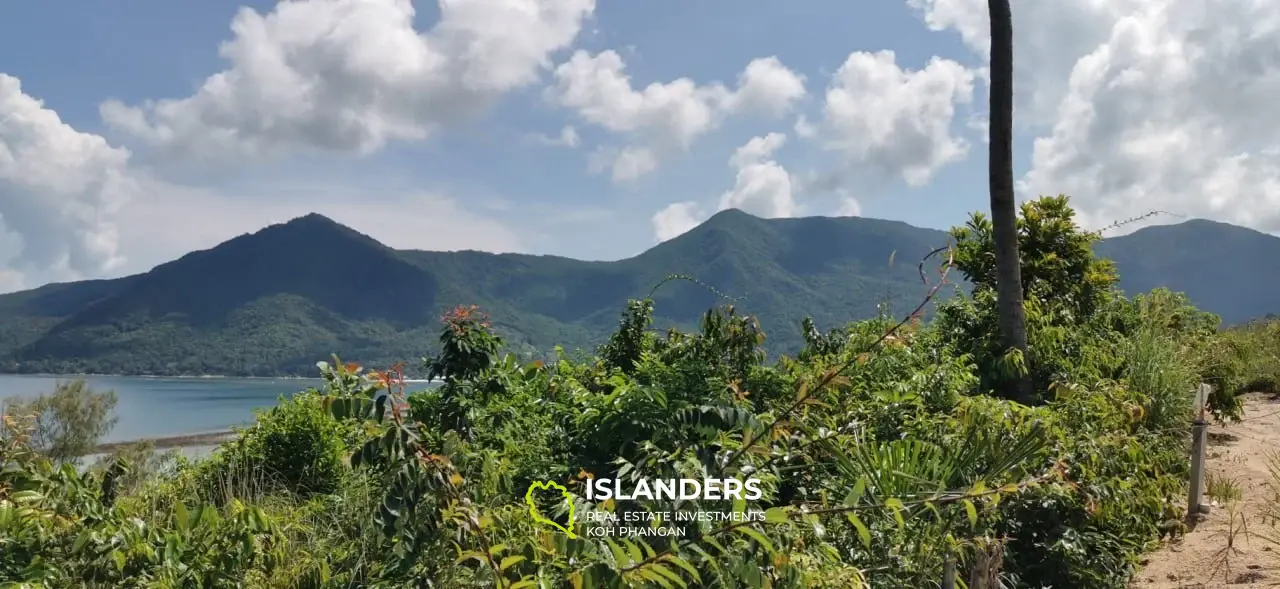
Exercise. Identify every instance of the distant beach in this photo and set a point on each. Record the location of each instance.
(168, 442)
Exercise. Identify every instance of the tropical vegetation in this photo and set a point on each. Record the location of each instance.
(888, 451)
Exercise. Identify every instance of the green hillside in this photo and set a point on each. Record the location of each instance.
(274, 301)
(1229, 270)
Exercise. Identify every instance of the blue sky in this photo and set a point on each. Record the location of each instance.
(531, 125)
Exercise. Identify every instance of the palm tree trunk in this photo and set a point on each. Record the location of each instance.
(1013, 321)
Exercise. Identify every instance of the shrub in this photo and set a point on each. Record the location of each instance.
(296, 446)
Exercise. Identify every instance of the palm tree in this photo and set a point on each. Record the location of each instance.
(1004, 217)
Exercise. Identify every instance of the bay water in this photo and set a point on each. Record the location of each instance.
(162, 407)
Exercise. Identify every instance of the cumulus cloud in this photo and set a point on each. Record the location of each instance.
(895, 121)
(762, 187)
(768, 87)
(1175, 111)
(60, 190)
(72, 207)
(1049, 37)
(677, 218)
(671, 115)
(568, 137)
(625, 164)
(351, 75)
(849, 207)
(1142, 105)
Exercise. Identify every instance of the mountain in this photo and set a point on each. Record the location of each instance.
(1229, 270)
(276, 301)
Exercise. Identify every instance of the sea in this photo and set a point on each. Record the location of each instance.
(158, 407)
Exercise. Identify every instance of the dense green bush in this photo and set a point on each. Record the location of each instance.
(296, 446)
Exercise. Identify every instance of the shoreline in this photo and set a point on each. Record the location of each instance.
(214, 438)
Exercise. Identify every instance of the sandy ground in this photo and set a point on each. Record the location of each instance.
(1235, 544)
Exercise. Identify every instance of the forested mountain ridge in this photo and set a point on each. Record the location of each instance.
(272, 302)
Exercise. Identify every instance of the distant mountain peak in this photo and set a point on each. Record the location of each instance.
(730, 213)
(1194, 228)
(313, 218)
(316, 226)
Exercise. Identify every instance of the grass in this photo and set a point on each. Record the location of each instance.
(1222, 488)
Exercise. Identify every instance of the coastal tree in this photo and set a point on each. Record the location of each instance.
(67, 423)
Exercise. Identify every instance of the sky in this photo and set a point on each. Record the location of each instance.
(134, 132)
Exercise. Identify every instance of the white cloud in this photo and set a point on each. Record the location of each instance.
(633, 162)
(895, 121)
(1048, 39)
(849, 207)
(352, 75)
(762, 187)
(622, 164)
(73, 207)
(671, 115)
(568, 137)
(768, 87)
(1143, 105)
(804, 129)
(676, 218)
(60, 192)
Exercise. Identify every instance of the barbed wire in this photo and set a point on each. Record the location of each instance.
(695, 280)
(1118, 224)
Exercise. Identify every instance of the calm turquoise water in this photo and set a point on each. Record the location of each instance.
(157, 407)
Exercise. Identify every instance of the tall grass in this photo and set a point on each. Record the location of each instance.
(1159, 368)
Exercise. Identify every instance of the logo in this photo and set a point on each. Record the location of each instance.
(672, 489)
(533, 507)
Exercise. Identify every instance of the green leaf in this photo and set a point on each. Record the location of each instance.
(856, 493)
(684, 564)
(757, 536)
(634, 550)
(26, 497)
(863, 533)
(972, 511)
(775, 515)
(469, 555)
(81, 540)
(619, 556)
(180, 516)
(896, 505)
(510, 561)
(668, 574)
(649, 575)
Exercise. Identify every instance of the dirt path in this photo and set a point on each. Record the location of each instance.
(1229, 546)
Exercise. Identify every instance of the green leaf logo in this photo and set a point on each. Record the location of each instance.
(537, 517)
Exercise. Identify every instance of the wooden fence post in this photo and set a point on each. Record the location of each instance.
(1199, 431)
